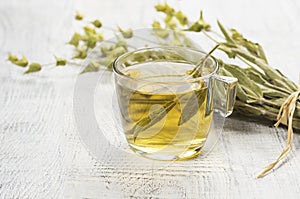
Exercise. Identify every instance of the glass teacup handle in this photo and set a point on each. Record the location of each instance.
(224, 94)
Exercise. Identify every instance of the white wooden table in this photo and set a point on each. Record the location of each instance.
(41, 155)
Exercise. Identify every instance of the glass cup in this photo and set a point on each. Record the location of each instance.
(165, 111)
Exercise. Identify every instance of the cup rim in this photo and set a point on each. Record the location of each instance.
(119, 73)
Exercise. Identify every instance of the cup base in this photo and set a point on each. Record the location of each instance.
(165, 155)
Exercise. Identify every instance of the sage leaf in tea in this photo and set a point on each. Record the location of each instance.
(192, 106)
(153, 117)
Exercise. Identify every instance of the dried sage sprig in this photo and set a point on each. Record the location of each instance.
(33, 66)
(82, 43)
(262, 90)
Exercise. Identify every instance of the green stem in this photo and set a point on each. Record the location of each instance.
(248, 109)
(270, 72)
(210, 37)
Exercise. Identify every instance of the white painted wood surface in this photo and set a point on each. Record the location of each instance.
(41, 155)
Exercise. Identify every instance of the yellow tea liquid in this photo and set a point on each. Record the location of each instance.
(166, 120)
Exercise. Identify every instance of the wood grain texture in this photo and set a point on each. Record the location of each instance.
(42, 156)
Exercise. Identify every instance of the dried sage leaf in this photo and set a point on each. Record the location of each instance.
(60, 61)
(126, 33)
(225, 33)
(153, 117)
(199, 25)
(79, 16)
(182, 18)
(76, 38)
(23, 62)
(246, 83)
(12, 58)
(159, 31)
(81, 54)
(33, 67)
(91, 67)
(192, 106)
(97, 23)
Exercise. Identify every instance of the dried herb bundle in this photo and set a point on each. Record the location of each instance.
(262, 90)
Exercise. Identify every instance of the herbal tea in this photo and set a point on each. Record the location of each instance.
(164, 117)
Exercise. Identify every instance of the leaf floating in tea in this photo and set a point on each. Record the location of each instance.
(192, 106)
(153, 117)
